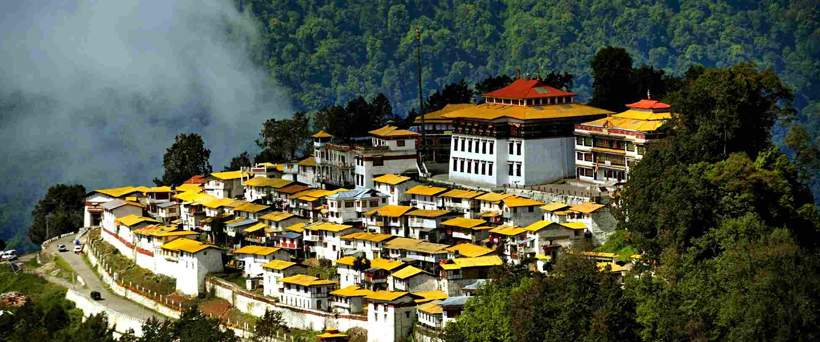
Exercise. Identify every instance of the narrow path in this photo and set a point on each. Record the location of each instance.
(93, 282)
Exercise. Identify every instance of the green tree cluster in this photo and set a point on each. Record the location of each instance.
(185, 158)
(59, 211)
(192, 325)
(356, 118)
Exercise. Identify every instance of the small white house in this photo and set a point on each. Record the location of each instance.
(114, 209)
(370, 244)
(521, 211)
(348, 299)
(274, 271)
(254, 257)
(462, 201)
(189, 261)
(227, 184)
(261, 188)
(307, 292)
(389, 219)
(323, 240)
(395, 187)
(348, 207)
(425, 224)
(411, 279)
(391, 315)
(426, 197)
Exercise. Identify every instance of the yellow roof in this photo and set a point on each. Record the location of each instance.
(493, 197)
(489, 111)
(367, 236)
(256, 250)
(190, 196)
(428, 213)
(385, 264)
(554, 206)
(407, 272)
(537, 225)
(330, 333)
(189, 187)
(297, 227)
(214, 203)
(431, 308)
(322, 134)
(162, 231)
(119, 192)
(387, 296)
(306, 280)
(391, 179)
(489, 214)
(227, 175)
(276, 216)
(425, 190)
(346, 260)
(186, 245)
(463, 194)
(266, 182)
(574, 225)
(599, 254)
(390, 210)
(155, 189)
(470, 250)
(515, 201)
(389, 131)
(430, 295)
(351, 291)
(278, 265)
(463, 222)
(586, 207)
(256, 227)
(250, 207)
(131, 220)
(438, 117)
(482, 261)
(633, 120)
(613, 267)
(309, 161)
(416, 245)
(327, 226)
(508, 230)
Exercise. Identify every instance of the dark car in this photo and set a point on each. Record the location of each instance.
(95, 295)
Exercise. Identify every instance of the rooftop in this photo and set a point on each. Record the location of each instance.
(391, 179)
(306, 280)
(186, 245)
(470, 250)
(390, 210)
(227, 175)
(256, 250)
(389, 131)
(490, 111)
(425, 190)
(527, 89)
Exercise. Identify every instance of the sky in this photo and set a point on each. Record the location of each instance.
(93, 92)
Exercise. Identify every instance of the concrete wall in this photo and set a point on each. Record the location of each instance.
(121, 323)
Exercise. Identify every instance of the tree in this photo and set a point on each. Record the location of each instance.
(269, 325)
(2, 244)
(94, 329)
(452, 93)
(59, 211)
(240, 161)
(185, 158)
(283, 139)
(492, 83)
(558, 80)
(612, 73)
(191, 326)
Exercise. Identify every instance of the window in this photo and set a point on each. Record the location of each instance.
(484, 147)
(348, 204)
(630, 146)
(510, 147)
(469, 166)
(491, 147)
(587, 141)
(641, 150)
(530, 209)
(461, 165)
(455, 144)
(463, 143)
(399, 142)
(470, 145)
(490, 169)
(483, 168)
(518, 169)
(510, 169)
(455, 165)
(378, 161)
(518, 148)
(374, 203)
(579, 156)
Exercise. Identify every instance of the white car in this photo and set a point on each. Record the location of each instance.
(62, 248)
(10, 254)
(78, 248)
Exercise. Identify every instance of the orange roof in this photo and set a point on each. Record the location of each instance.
(391, 179)
(390, 210)
(425, 190)
(322, 134)
(648, 104)
(428, 213)
(306, 280)
(493, 197)
(389, 131)
(521, 202)
(527, 89)
(437, 116)
(586, 207)
(463, 194)
(463, 222)
(470, 250)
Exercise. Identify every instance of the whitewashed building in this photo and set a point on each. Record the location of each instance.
(188, 261)
(307, 292)
(323, 240)
(392, 150)
(227, 184)
(254, 257)
(348, 207)
(390, 315)
(464, 202)
(520, 211)
(521, 135)
(395, 187)
(426, 197)
(274, 271)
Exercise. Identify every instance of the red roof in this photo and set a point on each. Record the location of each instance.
(648, 104)
(527, 89)
(195, 180)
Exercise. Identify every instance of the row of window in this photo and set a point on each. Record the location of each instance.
(478, 167)
(473, 145)
(608, 173)
(517, 148)
(514, 169)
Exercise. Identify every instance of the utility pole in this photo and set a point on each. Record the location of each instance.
(421, 96)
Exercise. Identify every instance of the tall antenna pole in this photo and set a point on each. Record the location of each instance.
(421, 96)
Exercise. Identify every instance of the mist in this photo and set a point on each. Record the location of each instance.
(92, 92)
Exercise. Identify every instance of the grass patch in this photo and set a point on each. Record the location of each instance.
(64, 269)
(232, 276)
(322, 270)
(127, 270)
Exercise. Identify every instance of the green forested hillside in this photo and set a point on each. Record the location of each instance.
(326, 52)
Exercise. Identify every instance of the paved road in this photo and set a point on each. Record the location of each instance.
(93, 283)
